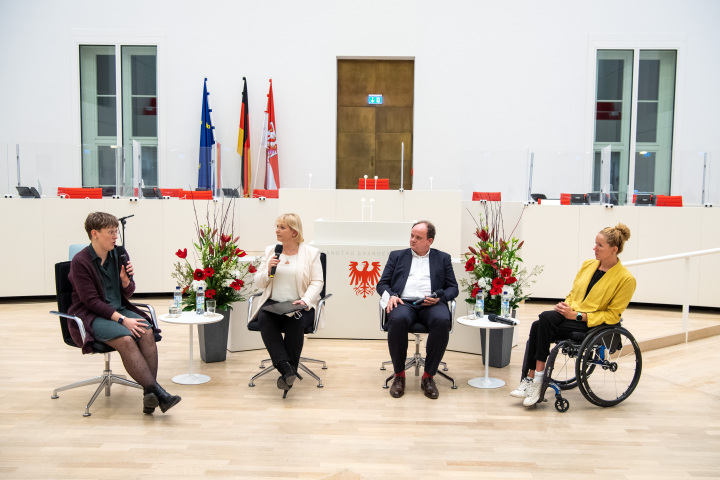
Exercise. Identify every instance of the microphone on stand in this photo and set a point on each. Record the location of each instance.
(278, 251)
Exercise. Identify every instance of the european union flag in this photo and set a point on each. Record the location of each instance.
(207, 140)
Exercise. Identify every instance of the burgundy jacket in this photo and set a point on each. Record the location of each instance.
(88, 298)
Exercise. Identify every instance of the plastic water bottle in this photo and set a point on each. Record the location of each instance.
(480, 304)
(178, 297)
(200, 301)
(505, 304)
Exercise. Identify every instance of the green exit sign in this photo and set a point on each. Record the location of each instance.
(374, 99)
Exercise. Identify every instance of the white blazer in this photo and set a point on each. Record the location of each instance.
(309, 278)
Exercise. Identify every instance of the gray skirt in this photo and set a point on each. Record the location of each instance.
(104, 329)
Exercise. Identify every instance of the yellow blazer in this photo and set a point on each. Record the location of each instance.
(308, 278)
(608, 299)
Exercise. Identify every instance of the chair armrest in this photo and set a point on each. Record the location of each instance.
(150, 311)
(77, 320)
(451, 306)
(250, 301)
(318, 311)
(383, 317)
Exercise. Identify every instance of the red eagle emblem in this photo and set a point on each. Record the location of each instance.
(364, 280)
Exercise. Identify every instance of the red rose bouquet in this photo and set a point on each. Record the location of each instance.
(494, 263)
(220, 268)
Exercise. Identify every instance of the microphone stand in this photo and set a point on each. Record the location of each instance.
(122, 221)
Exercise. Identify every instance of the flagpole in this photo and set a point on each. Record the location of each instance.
(260, 148)
(402, 165)
(263, 142)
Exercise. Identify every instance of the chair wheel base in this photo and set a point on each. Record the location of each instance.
(454, 387)
(54, 396)
(251, 384)
(87, 414)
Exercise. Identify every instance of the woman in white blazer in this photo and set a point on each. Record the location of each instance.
(297, 277)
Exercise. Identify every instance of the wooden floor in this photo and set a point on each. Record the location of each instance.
(350, 429)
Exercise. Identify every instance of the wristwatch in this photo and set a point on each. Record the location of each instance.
(121, 320)
(579, 317)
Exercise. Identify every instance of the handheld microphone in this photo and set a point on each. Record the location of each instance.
(435, 294)
(123, 258)
(278, 251)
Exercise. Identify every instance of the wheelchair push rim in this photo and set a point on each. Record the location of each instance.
(609, 366)
(563, 366)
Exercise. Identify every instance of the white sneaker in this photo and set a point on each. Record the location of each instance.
(532, 394)
(519, 392)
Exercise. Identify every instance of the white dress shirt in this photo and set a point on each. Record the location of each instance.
(418, 282)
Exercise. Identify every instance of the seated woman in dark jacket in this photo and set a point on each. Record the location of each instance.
(101, 291)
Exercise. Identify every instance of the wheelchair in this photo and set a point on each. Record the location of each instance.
(605, 363)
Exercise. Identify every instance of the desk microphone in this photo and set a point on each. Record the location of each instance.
(123, 258)
(278, 251)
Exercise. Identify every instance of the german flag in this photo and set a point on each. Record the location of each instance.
(243, 146)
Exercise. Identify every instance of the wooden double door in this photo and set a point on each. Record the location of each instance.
(370, 137)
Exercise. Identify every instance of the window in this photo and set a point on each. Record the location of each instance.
(118, 96)
(635, 113)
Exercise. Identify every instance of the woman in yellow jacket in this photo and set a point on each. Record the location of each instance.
(600, 293)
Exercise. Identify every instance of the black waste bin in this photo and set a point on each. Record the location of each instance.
(500, 346)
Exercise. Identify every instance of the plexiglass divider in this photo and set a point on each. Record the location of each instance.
(47, 166)
(556, 172)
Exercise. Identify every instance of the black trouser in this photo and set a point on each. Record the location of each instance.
(272, 327)
(550, 327)
(437, 320)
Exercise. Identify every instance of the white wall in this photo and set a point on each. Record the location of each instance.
(491, 80)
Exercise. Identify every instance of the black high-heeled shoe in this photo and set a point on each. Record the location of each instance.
(164, 400)
(288, 374)
(150, 401)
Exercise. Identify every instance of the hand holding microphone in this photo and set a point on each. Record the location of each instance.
(278, 251)
(435, 295)
(124, 259)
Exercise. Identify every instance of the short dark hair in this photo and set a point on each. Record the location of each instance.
(430, 228)
(98, 221)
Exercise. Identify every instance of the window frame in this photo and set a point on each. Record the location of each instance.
(636, 43)
(118, 39)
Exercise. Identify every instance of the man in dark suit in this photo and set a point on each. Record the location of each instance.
(419, 281)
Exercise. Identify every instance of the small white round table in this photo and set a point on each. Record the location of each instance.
(486, 381)
(190, 319)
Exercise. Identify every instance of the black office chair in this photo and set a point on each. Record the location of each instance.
(254, 326)
(64, 290)
(418, 360)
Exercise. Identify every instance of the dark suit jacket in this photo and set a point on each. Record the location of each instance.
(396, 272)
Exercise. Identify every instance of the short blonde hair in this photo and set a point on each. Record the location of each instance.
(616, 236)
(98, 221)
(293, 221)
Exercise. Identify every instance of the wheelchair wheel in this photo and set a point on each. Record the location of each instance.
(562, 405)
(609, 366)
(563, 373)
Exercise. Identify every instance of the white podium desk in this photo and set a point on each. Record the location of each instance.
(356, 256)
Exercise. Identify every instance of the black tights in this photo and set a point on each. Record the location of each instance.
(139, 356)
